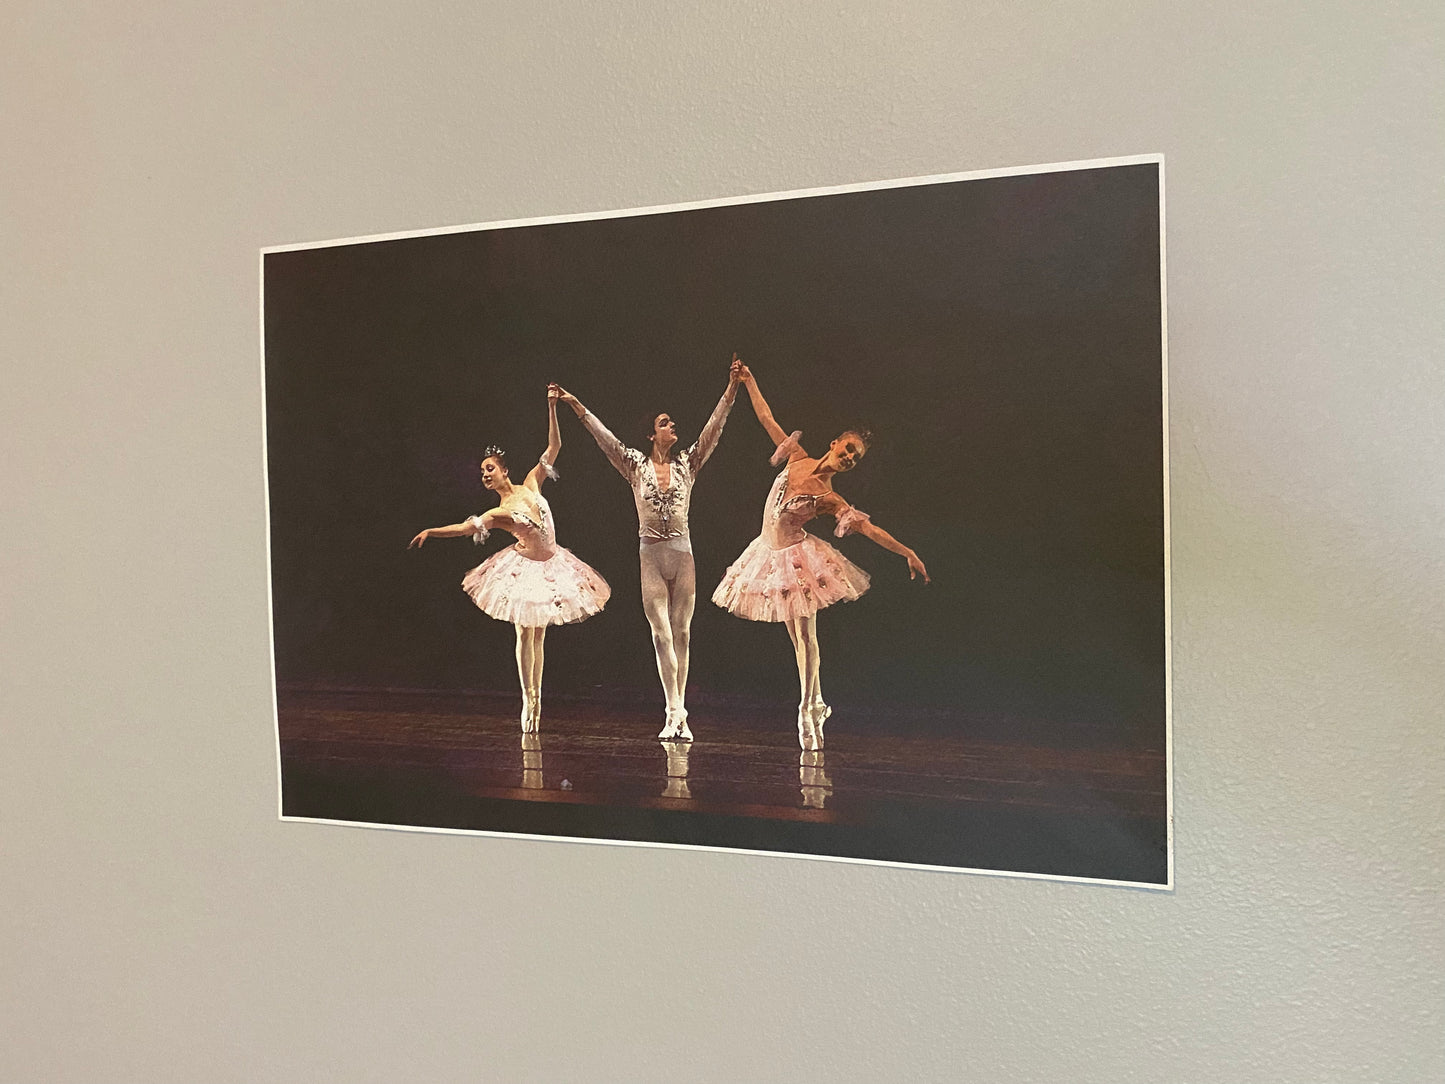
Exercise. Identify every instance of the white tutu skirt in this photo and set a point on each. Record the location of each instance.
(765, 584)
(521, 591)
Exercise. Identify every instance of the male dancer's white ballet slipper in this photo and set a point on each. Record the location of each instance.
(807, 732)
(676, 728)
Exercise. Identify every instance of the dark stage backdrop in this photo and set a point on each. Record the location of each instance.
(1001, 337)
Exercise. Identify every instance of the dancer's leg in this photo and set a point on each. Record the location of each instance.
(525, 674)
(682, 598)
(820, 711)
(539, 634)
(803, 632)
(655, 607)
(791, 625)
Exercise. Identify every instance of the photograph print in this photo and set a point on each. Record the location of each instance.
(828, 524)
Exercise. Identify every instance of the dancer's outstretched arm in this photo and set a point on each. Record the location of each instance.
(712, 431)
(775, 432)
(473, 528)
(888, 542)
(543, 469)
(625, 459)
(850, 520)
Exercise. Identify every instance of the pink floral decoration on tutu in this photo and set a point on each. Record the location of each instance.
(765, 584)
(520, 591)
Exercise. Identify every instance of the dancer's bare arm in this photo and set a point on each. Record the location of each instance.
(615, 451)
(851, 521)
(541, 471)
(775, 431)
(712, 431)
(888, 542)
(493, 517)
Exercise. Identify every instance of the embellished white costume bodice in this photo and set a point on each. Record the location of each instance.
(661, 511)
(536, 534)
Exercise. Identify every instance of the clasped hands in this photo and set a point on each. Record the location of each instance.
(738, 373)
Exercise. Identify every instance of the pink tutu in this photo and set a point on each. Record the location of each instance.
(521, 591)
(767, 584)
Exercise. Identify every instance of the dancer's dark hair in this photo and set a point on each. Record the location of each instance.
(647, 428)
(862, 432)
(491, 451)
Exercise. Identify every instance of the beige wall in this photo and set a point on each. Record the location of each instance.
(157, 923)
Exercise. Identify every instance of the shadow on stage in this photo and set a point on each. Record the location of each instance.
(882, 790)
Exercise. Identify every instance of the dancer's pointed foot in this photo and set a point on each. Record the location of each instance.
(669, 728)
(807, 731)
(820, 713)
(531, 712)
(684, 732)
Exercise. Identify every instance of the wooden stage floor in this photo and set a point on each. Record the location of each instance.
(596, 770)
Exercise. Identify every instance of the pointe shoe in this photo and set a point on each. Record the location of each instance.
(669, 727)
(807, 731)
(528, 722)
(684, 732)
(820, 714)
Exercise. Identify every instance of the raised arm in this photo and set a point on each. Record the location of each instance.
(543, 469)
(761, 409)
(618, 454)
(712, 431)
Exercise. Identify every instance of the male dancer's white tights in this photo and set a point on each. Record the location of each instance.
(669, 593)
(529, 673)
(812, 712)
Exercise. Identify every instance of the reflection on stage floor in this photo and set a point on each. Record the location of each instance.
(597, 770)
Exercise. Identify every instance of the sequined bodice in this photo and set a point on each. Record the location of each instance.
(536, 536)
(661, 511)
(783, 516)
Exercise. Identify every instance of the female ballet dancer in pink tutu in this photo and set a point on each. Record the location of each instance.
(787, 574)
(661, 479)
(535, 582)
